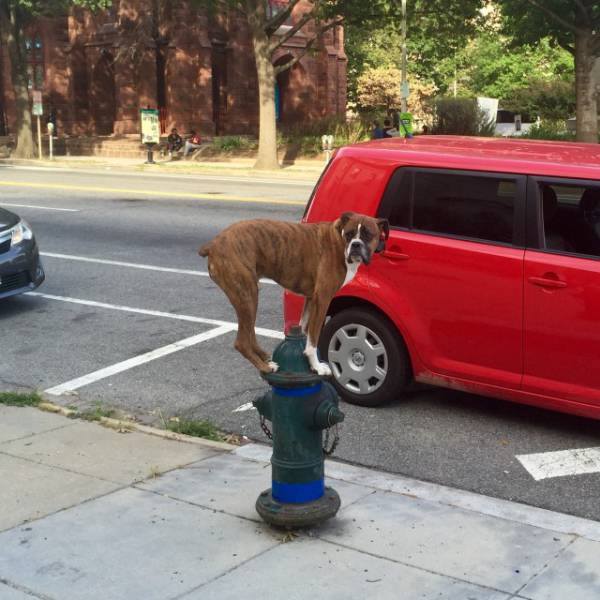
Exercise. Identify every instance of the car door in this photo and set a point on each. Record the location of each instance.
(562, 290)
(453, 270)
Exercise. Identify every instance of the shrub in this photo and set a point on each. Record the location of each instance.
(460, 116)
(551, 100)
(549, 130)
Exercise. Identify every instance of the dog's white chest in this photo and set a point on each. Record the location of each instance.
(350, 272)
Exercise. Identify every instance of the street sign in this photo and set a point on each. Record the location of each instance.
(150, 126)
(38, 109)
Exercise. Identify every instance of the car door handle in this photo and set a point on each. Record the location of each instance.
(548, 282)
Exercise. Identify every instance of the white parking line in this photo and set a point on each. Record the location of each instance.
(271, 333)
(545, 465)
(39, 207)
(130, 363)
(117, 263)
(244, 407)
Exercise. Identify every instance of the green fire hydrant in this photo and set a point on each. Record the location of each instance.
(299, 406)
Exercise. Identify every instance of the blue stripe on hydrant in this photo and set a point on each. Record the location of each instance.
(295, 392)
(296, 493)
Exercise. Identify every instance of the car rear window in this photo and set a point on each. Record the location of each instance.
(571, 218)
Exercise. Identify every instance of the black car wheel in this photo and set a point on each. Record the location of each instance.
(368, 358)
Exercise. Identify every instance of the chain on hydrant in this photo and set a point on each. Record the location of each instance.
(326, 450)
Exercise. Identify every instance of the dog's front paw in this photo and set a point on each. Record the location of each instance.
(323, 369)
(273, 366)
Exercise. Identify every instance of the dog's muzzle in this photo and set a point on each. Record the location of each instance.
(358, 252)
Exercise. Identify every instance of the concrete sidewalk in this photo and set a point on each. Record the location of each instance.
(91, 513)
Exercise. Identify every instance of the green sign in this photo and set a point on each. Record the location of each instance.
(150, 126)
(406, 124)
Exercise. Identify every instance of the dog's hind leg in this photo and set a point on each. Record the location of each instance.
(245, 305)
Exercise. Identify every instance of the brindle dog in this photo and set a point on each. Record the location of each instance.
(311, 259)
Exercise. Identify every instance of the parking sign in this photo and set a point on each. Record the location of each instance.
(38, 109)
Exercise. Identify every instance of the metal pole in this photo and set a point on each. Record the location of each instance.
(403, 84)
(51, 142)
(39, 131)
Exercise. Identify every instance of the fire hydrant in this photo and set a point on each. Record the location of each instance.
(299, 406)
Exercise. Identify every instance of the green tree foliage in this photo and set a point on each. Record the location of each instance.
(575, 26)
(14, 17)
(534, 79)
(436, 30)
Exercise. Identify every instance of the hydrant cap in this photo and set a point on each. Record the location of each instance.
(294, 370)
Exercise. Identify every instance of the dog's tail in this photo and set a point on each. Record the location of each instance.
(205, 249)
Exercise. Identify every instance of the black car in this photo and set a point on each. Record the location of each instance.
(20, 267)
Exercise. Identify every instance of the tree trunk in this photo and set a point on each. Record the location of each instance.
(587, 77)
(11, 39)
(267, 139)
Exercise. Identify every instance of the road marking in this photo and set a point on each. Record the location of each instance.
(545, 465)
(39, 207)
(180, 195)
(270, 333)
(117, 263)
(141, 359)
(244, 407)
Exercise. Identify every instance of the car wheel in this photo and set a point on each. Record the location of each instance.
(367, 356)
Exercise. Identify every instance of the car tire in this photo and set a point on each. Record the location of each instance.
(368, 358)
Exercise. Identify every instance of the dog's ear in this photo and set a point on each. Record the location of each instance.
(341, 222)
(384, 231)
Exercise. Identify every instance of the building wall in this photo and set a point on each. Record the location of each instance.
(101, 69)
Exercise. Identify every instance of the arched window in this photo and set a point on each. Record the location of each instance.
(34, 55)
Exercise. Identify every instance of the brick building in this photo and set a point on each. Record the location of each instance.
(97, 71)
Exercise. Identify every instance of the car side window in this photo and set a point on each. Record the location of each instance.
(570, 217)
(471, 206)
(456, 203)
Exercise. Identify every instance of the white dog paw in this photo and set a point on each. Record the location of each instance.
(323, 369)
(273, 366)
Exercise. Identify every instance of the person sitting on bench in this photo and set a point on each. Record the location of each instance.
(192, 143)
(174, 142)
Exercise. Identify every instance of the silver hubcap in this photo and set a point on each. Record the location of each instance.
(358, 359)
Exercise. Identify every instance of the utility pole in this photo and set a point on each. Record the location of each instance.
(404, 83)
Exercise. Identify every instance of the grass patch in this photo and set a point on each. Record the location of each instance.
(232, 143)
(20, 399)
(95, 414)
(201, 429)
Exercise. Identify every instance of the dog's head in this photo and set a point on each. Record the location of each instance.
(362, 236)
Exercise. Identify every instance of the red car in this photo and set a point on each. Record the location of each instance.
(490, 281)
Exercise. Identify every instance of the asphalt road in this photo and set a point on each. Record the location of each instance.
(128, 318)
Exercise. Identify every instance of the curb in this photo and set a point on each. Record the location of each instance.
(125, 425)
